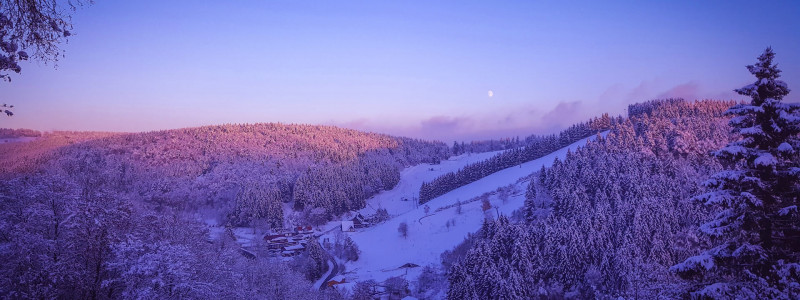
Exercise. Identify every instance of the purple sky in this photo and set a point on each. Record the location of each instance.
(411, 68)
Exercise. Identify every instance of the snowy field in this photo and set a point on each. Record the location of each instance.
(383, 250)
(411, 179)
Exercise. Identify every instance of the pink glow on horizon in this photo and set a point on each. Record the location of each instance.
(420, 70)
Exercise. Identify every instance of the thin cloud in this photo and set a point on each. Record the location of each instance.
(516, 121)
(688, 91)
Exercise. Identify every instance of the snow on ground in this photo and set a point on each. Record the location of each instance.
(411, 179)
(247, 237)
(383, 250)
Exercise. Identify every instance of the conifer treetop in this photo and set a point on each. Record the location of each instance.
(767, 85)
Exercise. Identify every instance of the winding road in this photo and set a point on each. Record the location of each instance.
(333, 273)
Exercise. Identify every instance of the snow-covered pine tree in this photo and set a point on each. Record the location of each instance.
(757, 197)
(529, 207)
(316, 264)
(350, 249)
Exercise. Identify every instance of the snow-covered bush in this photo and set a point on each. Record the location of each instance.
(397, 286)
(364, 290)
(430, 283)
(344, 247)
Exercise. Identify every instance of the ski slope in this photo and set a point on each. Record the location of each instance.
(383, 250)
(399, 200)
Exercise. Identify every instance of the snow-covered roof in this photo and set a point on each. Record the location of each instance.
(295, 247)
(276, 238)
(359, 219)
(347, 225)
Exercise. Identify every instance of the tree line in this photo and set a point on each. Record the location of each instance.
(536, 147)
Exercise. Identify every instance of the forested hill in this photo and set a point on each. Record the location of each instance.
(27, 157)
(532, 141)
(246, 171)
(609, 220)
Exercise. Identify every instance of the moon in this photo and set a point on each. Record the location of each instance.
(491, 93)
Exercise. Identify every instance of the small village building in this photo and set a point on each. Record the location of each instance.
(359, 221)
(290, 242)
(347, 226)
(304, 229)
(335, 282)
(297, 247)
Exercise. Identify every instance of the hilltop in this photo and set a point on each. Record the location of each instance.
(247, 171)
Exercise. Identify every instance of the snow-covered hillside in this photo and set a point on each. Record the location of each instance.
(383, 250)
(17, 139)
(398, 200)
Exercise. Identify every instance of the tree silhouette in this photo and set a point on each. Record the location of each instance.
(757, 198)
(38, 27)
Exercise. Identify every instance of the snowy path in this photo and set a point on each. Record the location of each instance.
(382, 248)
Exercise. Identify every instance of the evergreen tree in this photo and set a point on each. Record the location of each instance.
(403, 229)
(530, 202)
(316, 265)
(757, 197)
(351, 251)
